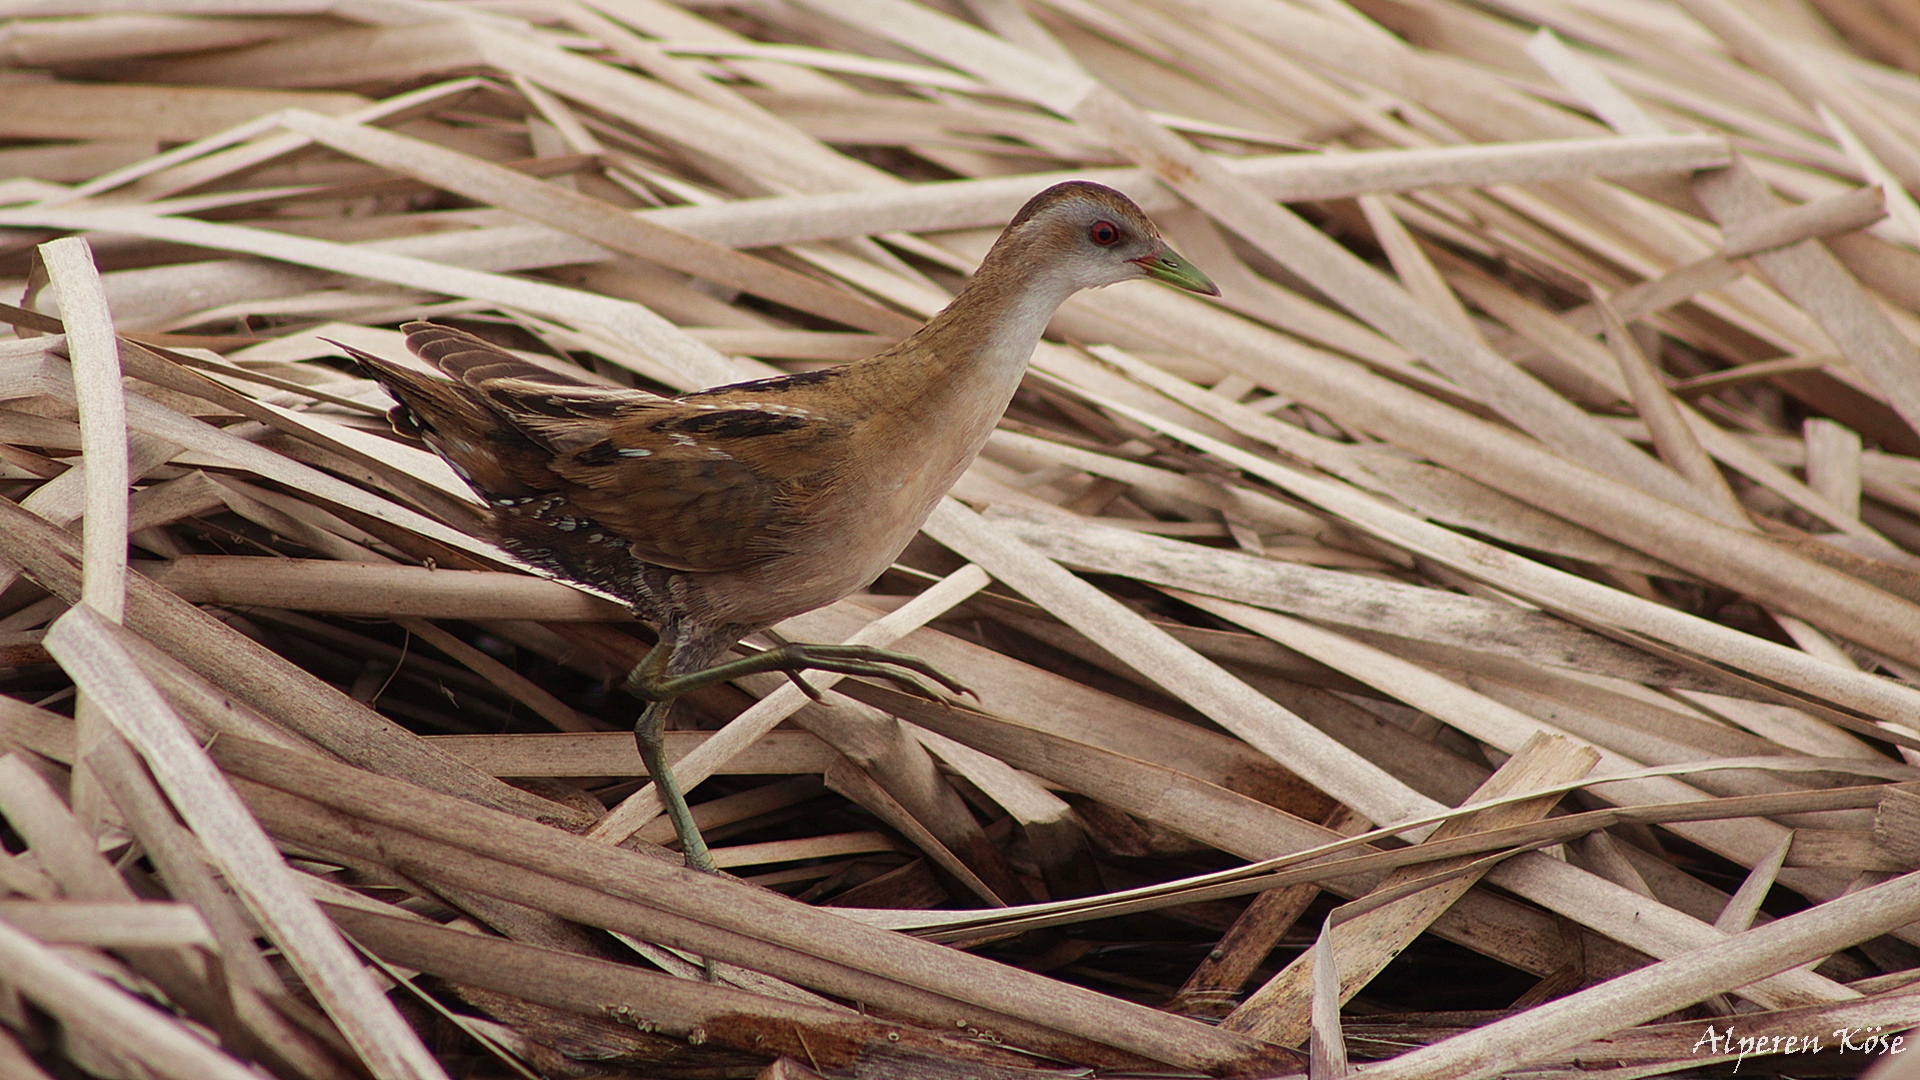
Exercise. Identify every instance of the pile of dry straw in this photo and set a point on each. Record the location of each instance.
(1554, 448)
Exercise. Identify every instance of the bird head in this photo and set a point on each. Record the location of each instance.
(1094, 236)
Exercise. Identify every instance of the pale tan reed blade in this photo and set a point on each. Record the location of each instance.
(258, 676)
(1285, 1008)
(1262, 722)
(1673, 438)
(245, 855)
(108, 1013)
(1754, 654)
(103, 420)
(141, 925)
(588, 218)
(1835, 214)
(107, 455)
(556, 754)
(581, 985)
(373, 589)
(756, 927)
(1657, 989)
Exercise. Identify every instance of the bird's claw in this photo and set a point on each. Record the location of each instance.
(649, 683)
(806, 687)
(899, 669)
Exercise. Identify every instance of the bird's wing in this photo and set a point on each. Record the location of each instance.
(701, 485)
(709, 482)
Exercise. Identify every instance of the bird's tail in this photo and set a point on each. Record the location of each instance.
(449, 416)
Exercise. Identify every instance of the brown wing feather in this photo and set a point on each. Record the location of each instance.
(472, 359)
(702, 488)
(700, 484)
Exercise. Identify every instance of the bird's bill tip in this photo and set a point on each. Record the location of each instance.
(1166, 265)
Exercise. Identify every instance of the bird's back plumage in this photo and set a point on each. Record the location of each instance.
(563, 462)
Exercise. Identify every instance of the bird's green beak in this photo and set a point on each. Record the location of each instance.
(1167, 265)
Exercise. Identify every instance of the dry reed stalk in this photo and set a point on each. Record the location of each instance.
(1563, 387)
(1279, 1010)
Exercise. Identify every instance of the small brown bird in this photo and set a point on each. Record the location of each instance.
(719, 513)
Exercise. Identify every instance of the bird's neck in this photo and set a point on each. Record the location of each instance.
(939, 394)
(980, 343)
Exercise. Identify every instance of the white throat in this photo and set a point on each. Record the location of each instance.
(1020, 327)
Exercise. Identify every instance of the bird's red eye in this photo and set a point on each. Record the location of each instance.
(1104, 233)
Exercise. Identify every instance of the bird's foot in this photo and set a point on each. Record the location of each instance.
(901, 669)
(792, 658)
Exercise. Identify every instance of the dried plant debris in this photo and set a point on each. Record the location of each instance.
(1485, 640)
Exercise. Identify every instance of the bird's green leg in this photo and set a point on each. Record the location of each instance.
(648, 732)
(651, 682)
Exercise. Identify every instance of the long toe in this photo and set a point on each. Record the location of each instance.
(806, 687)
(871, 662)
